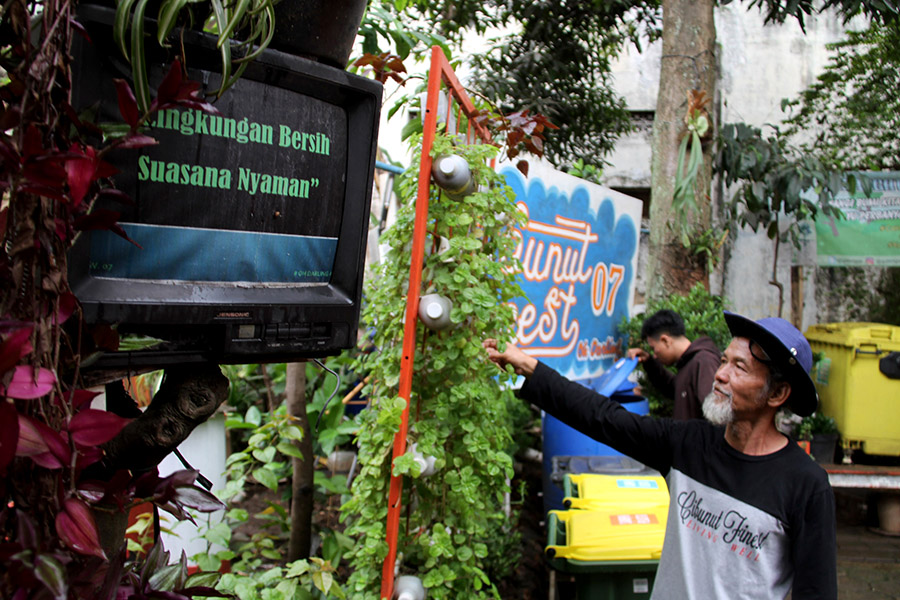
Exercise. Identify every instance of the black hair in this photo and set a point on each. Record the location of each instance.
(663, 321)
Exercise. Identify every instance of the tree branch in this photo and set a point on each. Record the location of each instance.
(189, 395)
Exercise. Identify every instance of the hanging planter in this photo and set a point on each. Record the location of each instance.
(323, 30)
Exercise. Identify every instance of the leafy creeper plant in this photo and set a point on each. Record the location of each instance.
(462, 413)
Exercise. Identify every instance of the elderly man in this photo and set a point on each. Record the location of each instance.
(751, 516)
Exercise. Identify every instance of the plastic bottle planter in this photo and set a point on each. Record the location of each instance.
(434, 311)
(443, 245)
(426, 463)
(409, 587)
(451, 172)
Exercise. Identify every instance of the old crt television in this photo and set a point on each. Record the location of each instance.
(252, 223)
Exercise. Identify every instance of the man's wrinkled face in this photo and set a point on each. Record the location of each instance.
(741, 385)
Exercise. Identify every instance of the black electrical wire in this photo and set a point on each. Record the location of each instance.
(336, 388)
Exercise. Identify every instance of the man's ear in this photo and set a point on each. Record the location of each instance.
(665, 339)
(779, 394)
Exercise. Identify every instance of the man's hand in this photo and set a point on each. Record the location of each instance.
(638, 353)
(522, 363)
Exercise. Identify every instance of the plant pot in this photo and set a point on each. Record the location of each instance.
(822, 446)
(323, 30)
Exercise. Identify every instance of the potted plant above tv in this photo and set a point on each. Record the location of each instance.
(821, 433)
(315, 29)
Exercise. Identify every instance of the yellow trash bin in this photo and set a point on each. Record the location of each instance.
(612, 553)
(857, 383)
(612, 537)
(591, 490)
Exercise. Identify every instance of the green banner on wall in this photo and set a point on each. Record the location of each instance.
(870, 235)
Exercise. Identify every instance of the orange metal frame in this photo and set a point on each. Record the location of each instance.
(440, 73)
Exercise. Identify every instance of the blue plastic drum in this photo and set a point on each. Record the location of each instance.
(561, 440)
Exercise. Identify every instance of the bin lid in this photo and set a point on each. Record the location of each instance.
(852, 334)
(591, 491)
(614, 379)
(607, 465)
(610, 534)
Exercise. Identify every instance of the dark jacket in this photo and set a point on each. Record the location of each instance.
(694, 380)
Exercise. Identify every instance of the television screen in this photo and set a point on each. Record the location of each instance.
(249, 225)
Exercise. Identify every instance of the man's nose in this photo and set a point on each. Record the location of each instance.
(722, 372)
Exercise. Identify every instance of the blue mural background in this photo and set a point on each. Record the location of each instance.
(616, 244)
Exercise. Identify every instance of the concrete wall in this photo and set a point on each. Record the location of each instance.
(759, 66)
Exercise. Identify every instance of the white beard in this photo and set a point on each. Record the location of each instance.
(718, 413)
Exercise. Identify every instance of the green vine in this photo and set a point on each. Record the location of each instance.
(462, 412)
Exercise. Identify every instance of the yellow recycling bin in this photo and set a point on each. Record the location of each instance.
(858, 383)
(612, 553)
(612, 537)
(589, 490)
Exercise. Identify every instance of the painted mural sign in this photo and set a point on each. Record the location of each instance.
(579, 257)
(870, 235)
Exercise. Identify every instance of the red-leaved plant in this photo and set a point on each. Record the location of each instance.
(50, 437)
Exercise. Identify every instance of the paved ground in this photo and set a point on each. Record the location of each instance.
(868, 562)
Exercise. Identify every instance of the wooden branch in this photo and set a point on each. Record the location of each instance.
(189, 395)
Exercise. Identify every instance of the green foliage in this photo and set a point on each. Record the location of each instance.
(269, 449)
(778, 11)
(299, 580)
(702, 314)
(586, 171)
(813, 424)
(265, 457)
(684, 198)
(462, 412)
(572, 45)
(707, 243)
(776, 179)
(853, 108)
(387, 28)
(253, 19)
(261, 386)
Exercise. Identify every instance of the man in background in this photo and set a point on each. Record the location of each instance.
(695, 361)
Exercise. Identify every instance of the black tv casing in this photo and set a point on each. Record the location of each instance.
(237, 321)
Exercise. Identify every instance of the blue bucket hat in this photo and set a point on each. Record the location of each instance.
(789, 351)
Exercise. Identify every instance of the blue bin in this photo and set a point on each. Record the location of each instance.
(558, 439)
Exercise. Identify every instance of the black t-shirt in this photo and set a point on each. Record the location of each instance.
(738, 526)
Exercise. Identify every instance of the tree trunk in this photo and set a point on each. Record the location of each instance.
(189, 395)
(302, 481)
(688, 63)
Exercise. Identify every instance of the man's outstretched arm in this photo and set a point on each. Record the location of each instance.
(522, 363)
